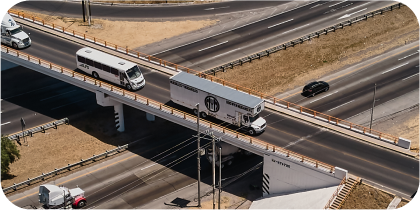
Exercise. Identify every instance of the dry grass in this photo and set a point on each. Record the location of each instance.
(126, 33)
(306, 62)
(366, 197)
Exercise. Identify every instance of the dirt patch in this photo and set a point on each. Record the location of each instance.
(311, 60)
(366, 197)
(126, 33)
(90, 134)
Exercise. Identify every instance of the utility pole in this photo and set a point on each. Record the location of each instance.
(90, 13)
(220, 172)
(83, 10)
(373, 106)
(214, 167)
(198, 152)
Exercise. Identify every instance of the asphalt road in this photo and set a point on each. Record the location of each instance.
(241, 42)
(380, 165)
(71, 9)
(353, 93)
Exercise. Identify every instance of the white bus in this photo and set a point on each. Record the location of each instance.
(111, 68)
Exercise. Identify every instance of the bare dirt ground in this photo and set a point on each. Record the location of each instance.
(126, 33)
(367, 197)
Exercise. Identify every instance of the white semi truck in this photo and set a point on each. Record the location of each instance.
(54, 197)
(12, 34)
(221, 102)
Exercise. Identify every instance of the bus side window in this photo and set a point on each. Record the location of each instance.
(106, 68)
(81, 59)
(98, 65)
(89, 62)
(114, 71)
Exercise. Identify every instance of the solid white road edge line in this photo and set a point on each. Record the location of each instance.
(226, 53)
(323, 97)
(395, 68)
(340, 105)
(295, 28)
(212, 46)
(410, 76)
(280, 23)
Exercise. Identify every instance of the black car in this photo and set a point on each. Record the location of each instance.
(314, 88)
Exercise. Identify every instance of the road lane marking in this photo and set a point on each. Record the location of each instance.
(348, 15)
(212, 46)
(67, 104)
(226, 53)
(5, 123)
(280, 23)
(323, 97)
(296, 28)
(148, 166)
(57, 95)
(408, 56)
(358, 6)
(340, 105)
(338, 3)
(395, 68)
(212, 8)
(410, 76)
(28, 92)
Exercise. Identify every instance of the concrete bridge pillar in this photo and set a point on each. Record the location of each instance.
(150, 117)
(103, 100)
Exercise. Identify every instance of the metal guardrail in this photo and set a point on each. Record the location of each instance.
(271, 99)
(169, 110)
(41, 128)
(66, 168)
(300, 40)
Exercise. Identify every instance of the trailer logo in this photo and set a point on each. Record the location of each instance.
(212, 104)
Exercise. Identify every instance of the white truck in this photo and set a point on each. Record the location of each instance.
(221, 102)
(53, 197)
(12, 33)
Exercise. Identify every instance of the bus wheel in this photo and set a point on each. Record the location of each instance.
(14, 45)
(95, 75)
(195, 111)
(128, 86)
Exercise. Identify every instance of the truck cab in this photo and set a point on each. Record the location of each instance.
(12, 34)
(254, 124)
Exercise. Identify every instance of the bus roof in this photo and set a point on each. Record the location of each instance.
(104, 58)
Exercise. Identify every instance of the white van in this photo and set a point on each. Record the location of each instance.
(110, 68)
(12, 34)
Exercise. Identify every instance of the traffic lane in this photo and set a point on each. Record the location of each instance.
(136, 12)
(359, 90)
(370, 162)
(250, 37)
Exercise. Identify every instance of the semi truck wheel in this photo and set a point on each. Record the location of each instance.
(81, 204)
(203, 115)
(251, 131)
(14, 45)
(95, 75)
(195, 111)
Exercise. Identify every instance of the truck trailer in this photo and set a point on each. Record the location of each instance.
(221, 102)
(12, 34)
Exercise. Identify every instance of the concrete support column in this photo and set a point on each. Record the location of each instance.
(119, 117)
(150, 117)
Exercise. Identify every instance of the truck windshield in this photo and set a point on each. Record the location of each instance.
(134, 72)
(252, 119)
(15, 31)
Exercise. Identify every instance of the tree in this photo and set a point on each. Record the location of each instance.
(9, 154)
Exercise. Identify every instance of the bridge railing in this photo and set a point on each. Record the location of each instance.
(169, 110)
(271, 99)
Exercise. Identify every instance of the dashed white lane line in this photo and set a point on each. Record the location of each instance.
(57, 95)
(358, 6)
(217, 8)
(280, 23)
(408, 55)
(395, 68)
(5, 123)
(295, 28)
(348, 15)
(341, 105)
(338, 3)
(323, 97)
(212, 46)
(148, 166)
(410, 76)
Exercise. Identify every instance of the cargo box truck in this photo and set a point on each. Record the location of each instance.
(221, 102)
(12, 33)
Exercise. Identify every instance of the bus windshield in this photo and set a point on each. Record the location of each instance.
(15, 31)
(134, 72)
